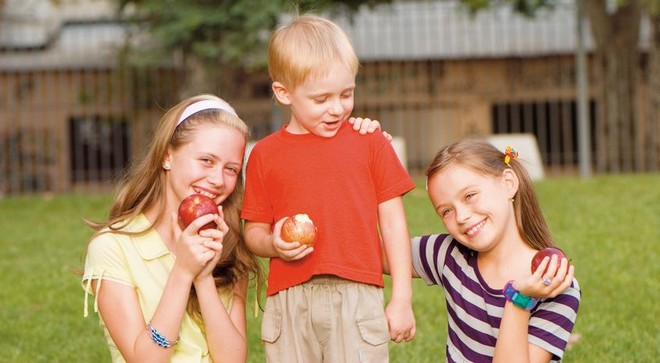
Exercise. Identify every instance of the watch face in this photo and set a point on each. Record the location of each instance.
(520, 300)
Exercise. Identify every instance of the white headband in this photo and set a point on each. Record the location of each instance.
(205, 105)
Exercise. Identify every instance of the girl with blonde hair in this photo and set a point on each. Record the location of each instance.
(163, 293)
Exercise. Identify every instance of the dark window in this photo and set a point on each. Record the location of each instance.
(99, 147)
(554, 123)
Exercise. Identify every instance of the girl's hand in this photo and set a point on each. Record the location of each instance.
(288, 251)
(366, 125)
(548, 283)
(191, 251)
(216, 236)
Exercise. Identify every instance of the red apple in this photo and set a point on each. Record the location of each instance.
(548, 251)
(195, 206)
(299, 228)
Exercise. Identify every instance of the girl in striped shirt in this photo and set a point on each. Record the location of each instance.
(498, 310)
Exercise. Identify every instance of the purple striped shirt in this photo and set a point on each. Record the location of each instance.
(475, 310)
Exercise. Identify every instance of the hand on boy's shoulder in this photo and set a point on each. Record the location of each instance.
(367, 126)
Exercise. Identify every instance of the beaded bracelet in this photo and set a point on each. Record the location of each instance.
(160, 339)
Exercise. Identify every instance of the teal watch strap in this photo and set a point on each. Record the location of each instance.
(517, 298)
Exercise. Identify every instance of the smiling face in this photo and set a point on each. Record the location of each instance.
(209, 164)
(476, 209)
(320, 104)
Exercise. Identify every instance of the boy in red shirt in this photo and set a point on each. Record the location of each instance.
(325, 303)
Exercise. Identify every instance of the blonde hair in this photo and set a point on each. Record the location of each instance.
(483, 158)
(308, 47)
(143, 186)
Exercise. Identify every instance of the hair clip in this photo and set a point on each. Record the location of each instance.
(510, 153)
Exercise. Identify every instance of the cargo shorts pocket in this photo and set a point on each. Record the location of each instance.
(374, 330)
(271, 327)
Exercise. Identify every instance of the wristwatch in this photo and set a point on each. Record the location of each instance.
(517, 298)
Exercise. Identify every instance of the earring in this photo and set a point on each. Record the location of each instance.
(166, 165)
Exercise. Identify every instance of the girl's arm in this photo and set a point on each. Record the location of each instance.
(367, 126)
(396, 240)
(225, 331)
(119, 307)
(512, 342)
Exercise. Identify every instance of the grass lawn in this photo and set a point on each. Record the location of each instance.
(608, 225)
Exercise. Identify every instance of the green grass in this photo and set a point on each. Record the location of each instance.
(607, 225)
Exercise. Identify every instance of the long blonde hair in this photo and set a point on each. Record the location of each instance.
(143, 186)
(483, 158)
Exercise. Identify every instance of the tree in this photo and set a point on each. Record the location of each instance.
(217, 41)
(654, 86)
(627, 140)
(616, 37)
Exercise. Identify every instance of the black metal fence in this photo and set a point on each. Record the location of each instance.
(72, 116)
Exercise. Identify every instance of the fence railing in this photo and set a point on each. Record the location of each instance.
(72, 116)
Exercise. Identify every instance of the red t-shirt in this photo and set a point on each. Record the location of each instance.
(339, 182)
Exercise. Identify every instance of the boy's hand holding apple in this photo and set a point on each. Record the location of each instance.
(294, 236)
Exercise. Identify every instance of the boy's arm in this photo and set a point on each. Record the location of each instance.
(258, 239)
(396, 241)
(386, 264)
(264, 241)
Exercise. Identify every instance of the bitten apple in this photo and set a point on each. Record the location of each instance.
(195, 206)
(548, 251)
(299, 228)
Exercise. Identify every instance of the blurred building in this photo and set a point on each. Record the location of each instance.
(70, 112)
(72, 115)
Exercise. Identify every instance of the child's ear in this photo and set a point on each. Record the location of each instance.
(166, 161)
(511, 182)
(281, 93)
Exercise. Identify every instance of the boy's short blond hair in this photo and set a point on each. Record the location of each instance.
(308, 47)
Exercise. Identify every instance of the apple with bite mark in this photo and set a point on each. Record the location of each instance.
(299, 228)
(548, 251)
(195, 206)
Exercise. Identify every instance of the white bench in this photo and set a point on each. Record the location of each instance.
(528, 151)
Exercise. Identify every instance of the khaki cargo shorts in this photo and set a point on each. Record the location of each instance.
(327, 319)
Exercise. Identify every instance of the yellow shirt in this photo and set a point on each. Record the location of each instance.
(143, 262)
